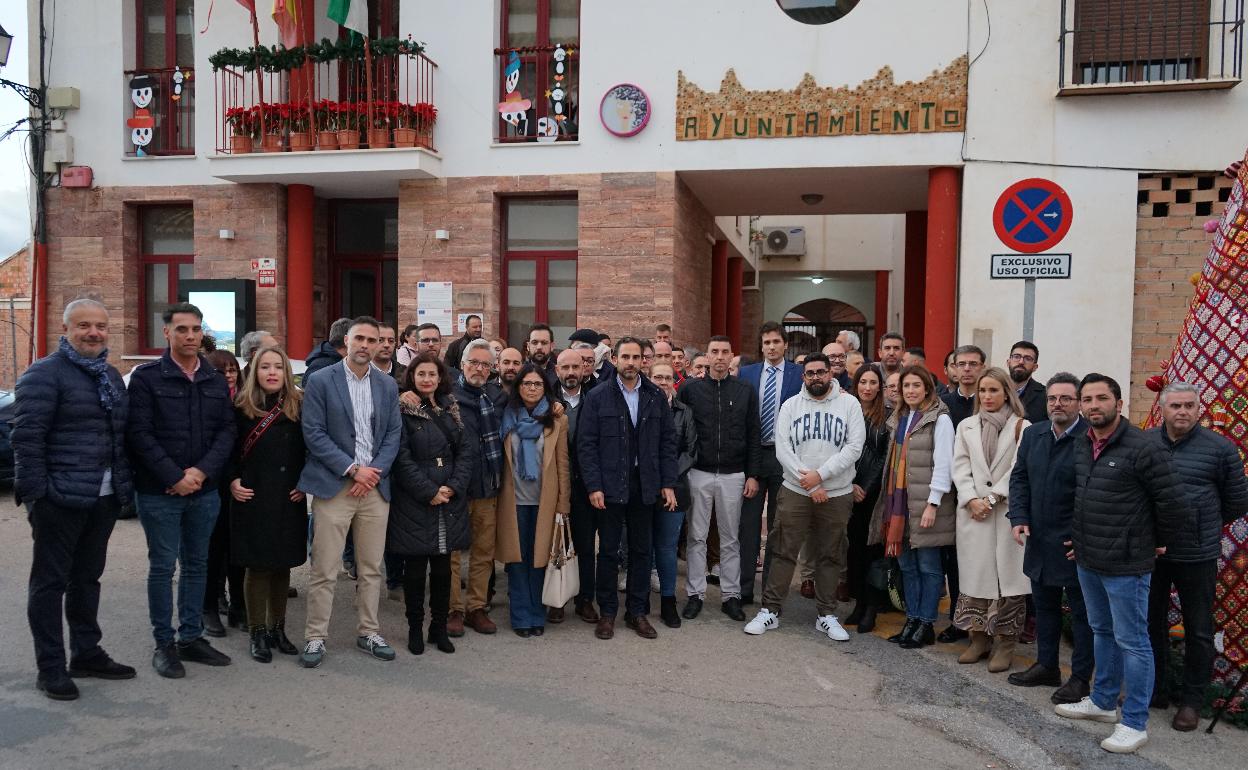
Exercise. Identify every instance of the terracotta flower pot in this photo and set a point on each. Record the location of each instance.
(300, 141)
(241, 144)
(404, 137)
(378, 138)
(271, 143)
(348, 139)
(327, 140)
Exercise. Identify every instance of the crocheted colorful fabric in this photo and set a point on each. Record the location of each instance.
(1212, 354)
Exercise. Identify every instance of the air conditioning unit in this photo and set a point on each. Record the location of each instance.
(784, 242)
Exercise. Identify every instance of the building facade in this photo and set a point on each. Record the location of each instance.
(609, 166)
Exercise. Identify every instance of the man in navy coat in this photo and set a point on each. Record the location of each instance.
(776, 380)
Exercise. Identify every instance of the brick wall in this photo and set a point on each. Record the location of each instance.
(94, 242)
(639, 262)
(15, 286)
(1170, 246)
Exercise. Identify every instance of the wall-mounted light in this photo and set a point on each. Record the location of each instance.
(812, 199)
(816, 279)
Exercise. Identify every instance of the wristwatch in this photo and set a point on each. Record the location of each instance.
(992, 500)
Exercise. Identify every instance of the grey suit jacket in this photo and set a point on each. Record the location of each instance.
(329, 430)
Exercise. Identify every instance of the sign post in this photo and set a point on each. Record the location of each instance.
(1031, 216)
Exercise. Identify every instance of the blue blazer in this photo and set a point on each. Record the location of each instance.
(329, 430)
(792, 385)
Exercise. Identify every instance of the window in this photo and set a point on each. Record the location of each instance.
(1143, 41)
(160, 90)
(816, 11)
(539, 275)
(538, 71)
(168, 255)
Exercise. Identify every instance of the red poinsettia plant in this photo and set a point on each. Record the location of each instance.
(243, 121)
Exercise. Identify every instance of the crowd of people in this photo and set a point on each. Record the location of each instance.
(1011, 496)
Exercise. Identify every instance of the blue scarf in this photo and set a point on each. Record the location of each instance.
(98, 368)
(525, 424)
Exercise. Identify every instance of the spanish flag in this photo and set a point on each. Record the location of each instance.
(286, 14)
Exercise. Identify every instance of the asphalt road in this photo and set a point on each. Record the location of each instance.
(705, 695)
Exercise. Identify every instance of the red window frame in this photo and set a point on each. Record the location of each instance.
(172, 114)
(541, 72)
(171, 36)
(355, 260)
(145, 259)
(541, 283)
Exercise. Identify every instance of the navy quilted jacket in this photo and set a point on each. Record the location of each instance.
(1212, 474)
(63, 440)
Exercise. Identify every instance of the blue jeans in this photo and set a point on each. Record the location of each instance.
(666, 536)
(921, 575)
(524, 581)
(1118, 614)
(178, 530)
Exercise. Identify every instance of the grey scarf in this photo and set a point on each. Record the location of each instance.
(990, 425)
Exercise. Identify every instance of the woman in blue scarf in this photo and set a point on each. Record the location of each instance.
(535, 486)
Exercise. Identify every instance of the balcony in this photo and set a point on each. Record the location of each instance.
(539, 94)
(1135, 46)
(160, 112)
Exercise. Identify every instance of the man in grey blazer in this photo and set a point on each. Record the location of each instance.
(351, 427)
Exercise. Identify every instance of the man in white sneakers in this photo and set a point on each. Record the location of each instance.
(819, 435)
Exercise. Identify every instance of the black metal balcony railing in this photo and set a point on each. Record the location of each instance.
(538, 94)
(1151, 43)
(165, 125)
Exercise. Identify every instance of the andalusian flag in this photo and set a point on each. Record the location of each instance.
(352, 14)
(286, 14)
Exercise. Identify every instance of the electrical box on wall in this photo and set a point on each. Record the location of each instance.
(60, 150)
(77, 176)
(63, 98)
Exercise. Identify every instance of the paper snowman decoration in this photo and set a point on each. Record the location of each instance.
(179, 78)
(558, 94)
(514, 108)
(547, 130)
(142, 123)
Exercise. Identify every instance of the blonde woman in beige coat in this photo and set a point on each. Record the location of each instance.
(993, 601)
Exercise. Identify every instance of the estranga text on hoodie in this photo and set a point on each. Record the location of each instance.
(817, 426)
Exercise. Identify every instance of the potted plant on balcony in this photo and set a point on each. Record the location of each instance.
(325, 113)
(379, 129)
(243, 127)
(349, 122)
(300, 124)
(276, 117)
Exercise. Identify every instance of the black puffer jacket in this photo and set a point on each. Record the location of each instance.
(1128, 502)
(1212, 474)
(869, 468)
(435, 451)
(725, 413)
(686, 450)
(63, 440)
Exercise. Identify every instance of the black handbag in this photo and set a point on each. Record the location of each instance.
(884, 575)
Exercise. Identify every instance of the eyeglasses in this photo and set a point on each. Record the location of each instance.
(836, 358)
(1024, 359)
(477, 364)
(430, 340)
(531, 384)
(1063, 400)
(810, 374)
(967, 364)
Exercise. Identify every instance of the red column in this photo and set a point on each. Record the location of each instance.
(915, 278)
(300, 210)
(736, 272)
(302, 79)
(941, 290)
(39, 309)
(719, 287)
(881, 308)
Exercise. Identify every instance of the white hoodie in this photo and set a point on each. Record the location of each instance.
(825, 435)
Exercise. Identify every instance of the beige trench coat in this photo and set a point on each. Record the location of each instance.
(556, 497)
(990, 563)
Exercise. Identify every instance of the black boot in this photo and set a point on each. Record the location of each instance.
(668, 612)
(278, 640)
(212, 624)
(260, 645)
(415, 640)
(855, 617)
(906, 631)
(922, 635)
(438, 637)
(866, 624)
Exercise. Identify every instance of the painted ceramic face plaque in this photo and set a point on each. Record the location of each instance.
(625, 110)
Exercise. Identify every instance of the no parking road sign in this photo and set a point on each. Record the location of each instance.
(1032, 215)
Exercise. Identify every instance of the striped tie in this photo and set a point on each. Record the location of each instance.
(769, 406)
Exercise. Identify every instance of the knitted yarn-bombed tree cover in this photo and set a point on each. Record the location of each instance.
(1212, 354)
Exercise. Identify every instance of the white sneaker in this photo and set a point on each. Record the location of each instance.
(828, 624)
(1125, 740)
(1086, 709)
(764, 621)
(654, 581)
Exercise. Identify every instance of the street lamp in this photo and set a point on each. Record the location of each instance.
(6, 42)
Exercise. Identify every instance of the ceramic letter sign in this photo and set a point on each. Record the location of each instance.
(625, 110)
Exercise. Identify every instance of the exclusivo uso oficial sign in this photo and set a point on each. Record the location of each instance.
(1030, 266)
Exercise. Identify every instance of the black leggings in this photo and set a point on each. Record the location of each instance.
(439, 570)
(861, 555)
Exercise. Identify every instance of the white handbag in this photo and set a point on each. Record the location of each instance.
(563, 579)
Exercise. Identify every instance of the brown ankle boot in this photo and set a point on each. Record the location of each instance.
(978, 649)
(1002, 653)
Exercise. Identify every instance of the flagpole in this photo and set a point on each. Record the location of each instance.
(255, 32)
(368, 78)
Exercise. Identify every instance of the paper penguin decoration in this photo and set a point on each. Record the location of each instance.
(514, 108)
(142, 123)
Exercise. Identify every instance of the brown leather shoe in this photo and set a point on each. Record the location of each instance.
(1186, 720)
(478, 621)
(455, 624)
(641, 624)
(605, 628)
(554, 615)
(587, 612)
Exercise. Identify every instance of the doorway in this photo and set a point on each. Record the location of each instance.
(364, 259)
